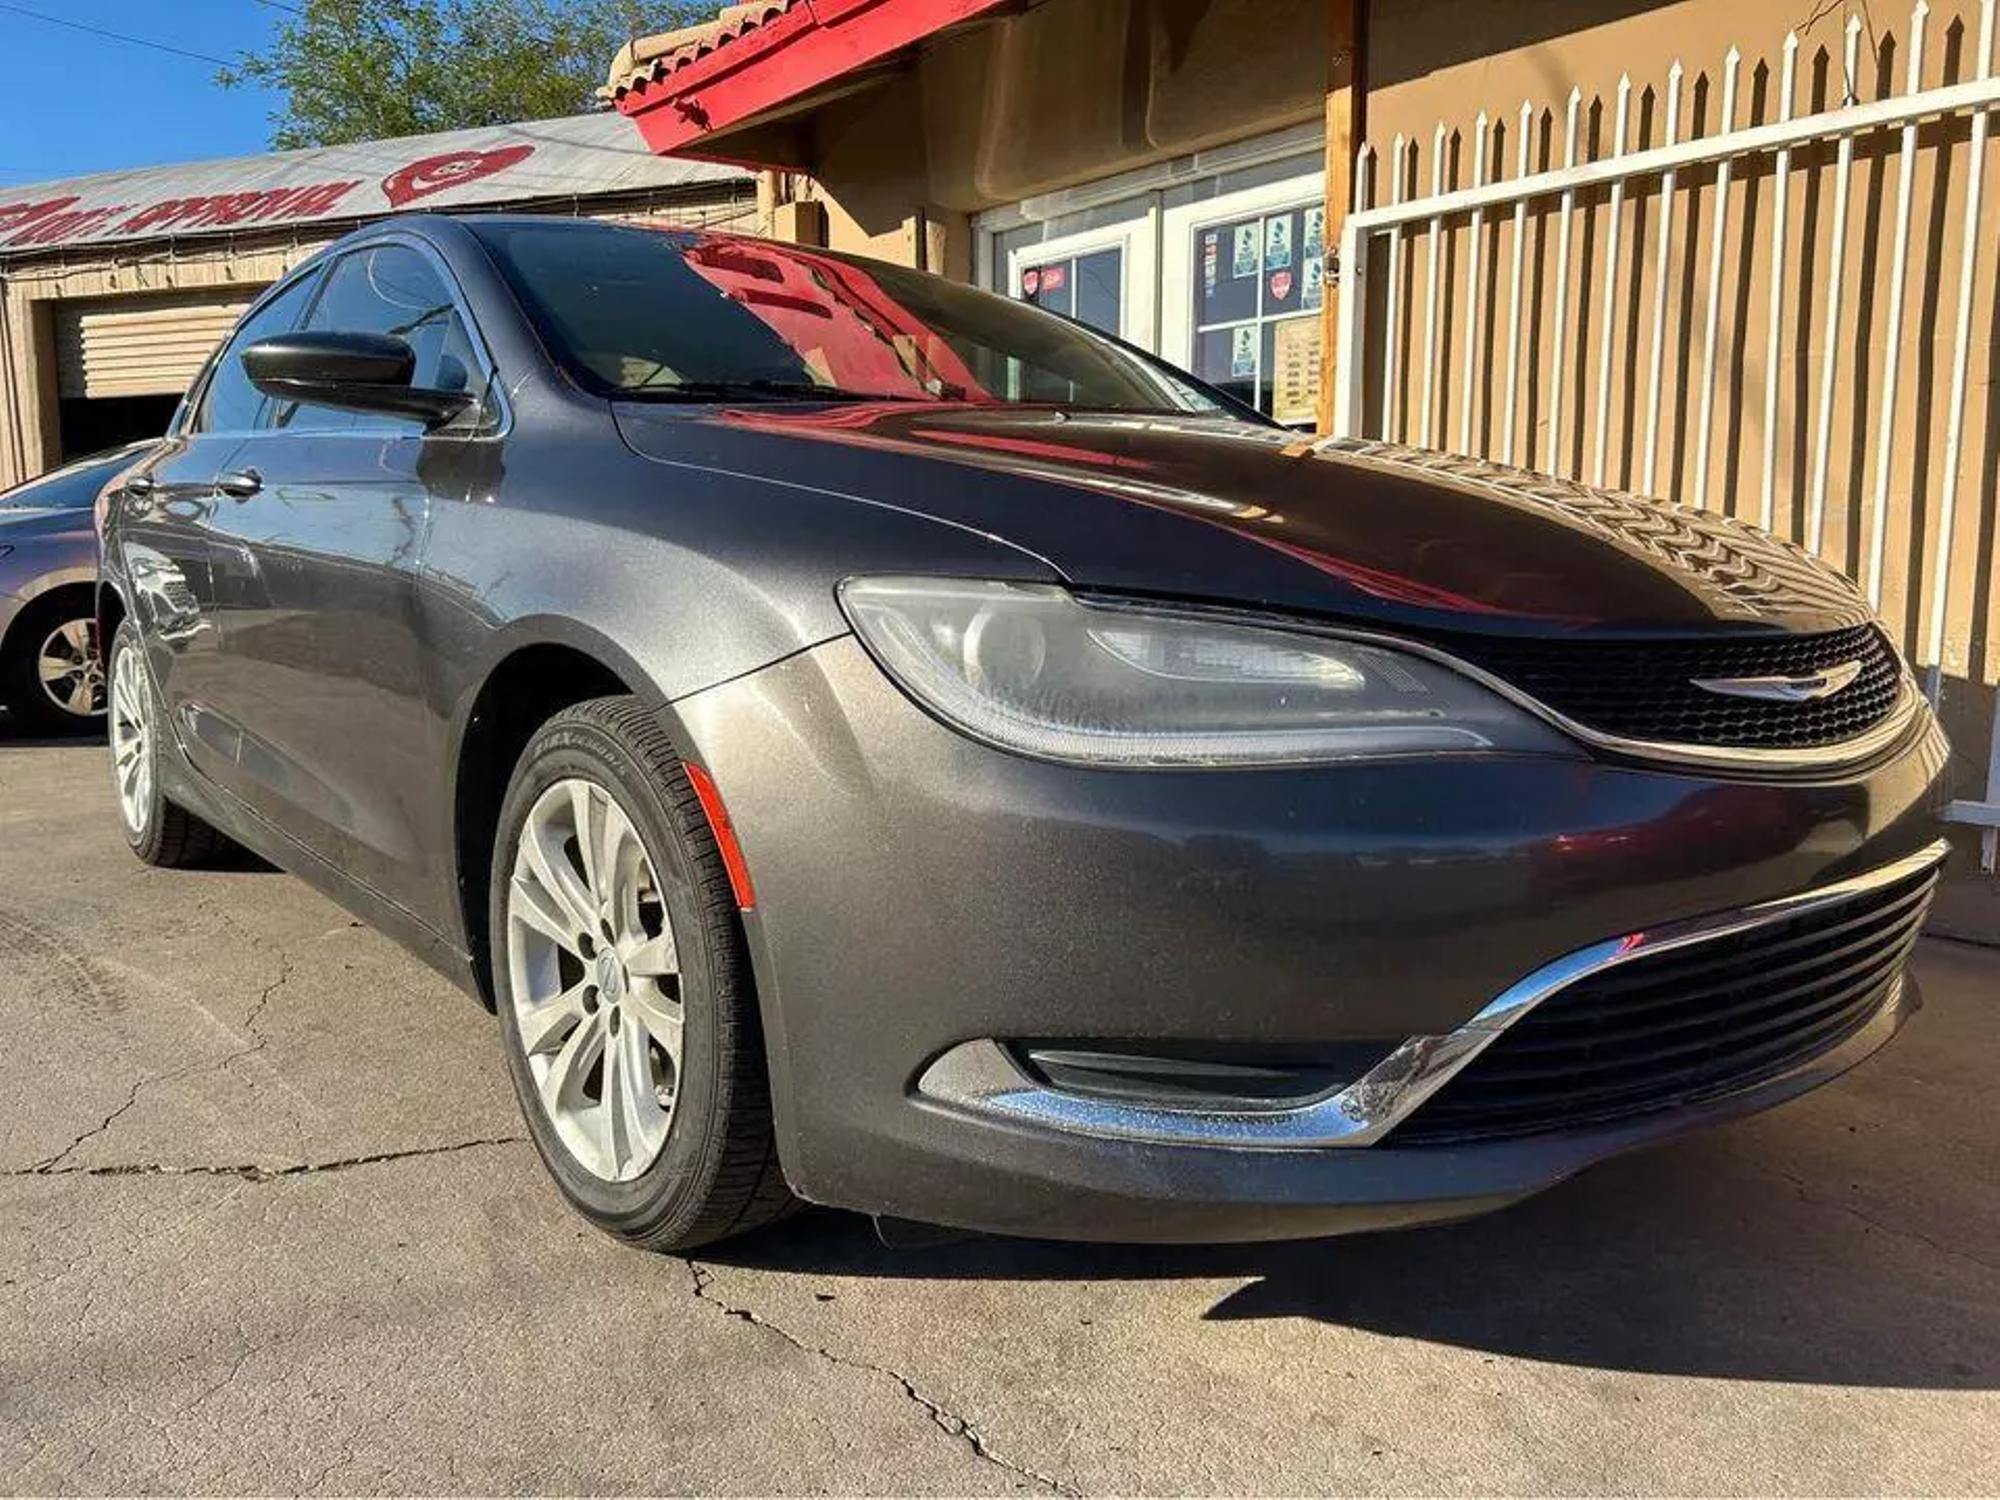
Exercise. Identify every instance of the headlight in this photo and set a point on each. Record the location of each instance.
(1031, 668)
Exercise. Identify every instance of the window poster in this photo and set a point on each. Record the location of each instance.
(1278, 242)
(1211, 260)
(1244, 262)
(1295, 371)
(1312, 277)
(1312, 242)
(1243, 351)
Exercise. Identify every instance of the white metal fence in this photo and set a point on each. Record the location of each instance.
(1590, 371)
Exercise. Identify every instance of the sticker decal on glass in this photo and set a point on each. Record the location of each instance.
(1278, 242)
(1245, 260)
(1312, 241)
(1243, 351)
(1312, 279)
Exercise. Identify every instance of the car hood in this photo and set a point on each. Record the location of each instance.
(1227, 510)
(27, 523)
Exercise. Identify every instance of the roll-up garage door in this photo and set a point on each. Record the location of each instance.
(137, 348)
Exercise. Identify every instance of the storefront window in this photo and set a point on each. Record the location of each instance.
(1217, 271)
(1257, 289)
(1089, 288)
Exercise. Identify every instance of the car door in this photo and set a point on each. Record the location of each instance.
(165, 508)
(317, 536)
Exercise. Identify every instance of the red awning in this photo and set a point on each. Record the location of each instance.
(757, 58)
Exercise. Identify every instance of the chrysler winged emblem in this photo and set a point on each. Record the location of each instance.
(1803, 688)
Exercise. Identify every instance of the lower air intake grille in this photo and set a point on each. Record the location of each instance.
(1645, 690)
(1687, 1024)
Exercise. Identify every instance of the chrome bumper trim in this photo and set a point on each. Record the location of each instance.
(980, 1077)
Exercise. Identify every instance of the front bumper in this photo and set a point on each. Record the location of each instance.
(918, 892)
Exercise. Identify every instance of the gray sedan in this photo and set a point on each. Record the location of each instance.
(876, 742)
(50, 670)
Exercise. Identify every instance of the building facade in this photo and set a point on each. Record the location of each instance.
(114, 288)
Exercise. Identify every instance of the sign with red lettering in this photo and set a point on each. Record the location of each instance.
(436, 173)
(572, 158)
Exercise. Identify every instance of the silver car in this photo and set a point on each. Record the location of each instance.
(50, 672)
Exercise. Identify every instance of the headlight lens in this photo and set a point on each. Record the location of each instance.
(1031, 668)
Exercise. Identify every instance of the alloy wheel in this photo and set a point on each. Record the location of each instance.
(69, 671)
(595, 979)
(131, 758)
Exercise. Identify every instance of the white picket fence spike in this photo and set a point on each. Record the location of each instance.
(1561, 360)
(1781, 182)
(1468, 400)
(1511, 414)
(1892, 363)
(1662, 273)
(1608, 320)
(1932, 651)
(1394, 340)
(1425, 426)
(1843, 172)
(1710, 374)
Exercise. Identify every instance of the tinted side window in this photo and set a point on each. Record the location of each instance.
(394, 290)
(231, 403)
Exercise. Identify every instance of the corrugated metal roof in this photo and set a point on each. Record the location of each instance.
(650, 58)
(537, 160)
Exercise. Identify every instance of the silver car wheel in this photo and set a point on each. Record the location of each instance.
(594, 979)
(68, 669)
(131, 757)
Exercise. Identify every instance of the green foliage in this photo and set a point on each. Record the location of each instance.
(358, 70)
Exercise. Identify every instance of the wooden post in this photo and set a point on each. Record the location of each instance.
(1346, 128)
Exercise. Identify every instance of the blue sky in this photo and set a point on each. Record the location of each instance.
(72, 103)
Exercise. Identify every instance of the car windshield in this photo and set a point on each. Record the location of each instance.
(648, 314)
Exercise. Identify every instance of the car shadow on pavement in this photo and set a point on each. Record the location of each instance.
(1688, 1260)
(15, 735)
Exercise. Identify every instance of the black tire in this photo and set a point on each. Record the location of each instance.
(20, 681)
(167, 834)
(717, 1174)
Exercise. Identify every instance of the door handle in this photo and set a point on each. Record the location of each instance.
(241, 483)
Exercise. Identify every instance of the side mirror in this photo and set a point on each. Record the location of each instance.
(368, 372)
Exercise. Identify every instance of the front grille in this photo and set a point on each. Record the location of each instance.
(1690, 1023)
(1644, 690)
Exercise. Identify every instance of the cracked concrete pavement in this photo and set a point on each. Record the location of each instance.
(268, 1224)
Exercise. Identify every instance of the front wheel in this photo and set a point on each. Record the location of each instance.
(160, 831)
(626, 1005)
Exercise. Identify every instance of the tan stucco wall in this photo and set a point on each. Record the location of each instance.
(1067, 92)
